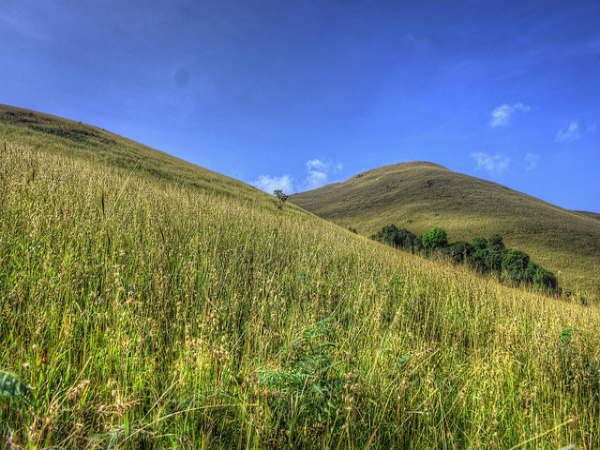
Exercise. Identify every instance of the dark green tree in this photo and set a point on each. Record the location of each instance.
(545, 279)
(495, 243)
(280, 195)
(477, 260)
(458, 251)
(479, 243)
(515, 263)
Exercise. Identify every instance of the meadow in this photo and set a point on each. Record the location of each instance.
(151, 311)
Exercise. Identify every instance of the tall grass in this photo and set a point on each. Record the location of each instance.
(159, 315)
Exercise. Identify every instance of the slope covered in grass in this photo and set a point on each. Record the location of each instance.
(593, 215)
(66, 137)
(149, 314)
(419, 196)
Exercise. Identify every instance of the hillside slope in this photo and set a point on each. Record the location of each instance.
(420, 195)
(593, 215)
(66, 137)
(146, 312)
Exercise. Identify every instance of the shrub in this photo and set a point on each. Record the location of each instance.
(307, 390)
(493, 259)
(352, 230)
(388, 235)
(531, 270)
(396, 237)
(458, 251)
(480, 243)
(544, 278)
(485, 260)
(515, 264)
(280, 195)
(435, 238)
(477, 260)
(495, 243)
(410, 240)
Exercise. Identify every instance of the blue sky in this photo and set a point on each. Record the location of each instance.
(298, 94)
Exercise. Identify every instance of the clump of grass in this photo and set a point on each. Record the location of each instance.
(13, 389)
(305, 395)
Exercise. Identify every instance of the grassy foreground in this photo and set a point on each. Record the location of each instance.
(162, 315)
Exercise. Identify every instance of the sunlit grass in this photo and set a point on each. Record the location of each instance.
(150, 314)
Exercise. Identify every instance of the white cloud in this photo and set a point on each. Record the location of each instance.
(574, 132)
(317, 175)
(532, 160)
(316, 164)
(569, 134)
(502, 114)
(318, 172)
(495, 164)
(269, 184)
(315, 179)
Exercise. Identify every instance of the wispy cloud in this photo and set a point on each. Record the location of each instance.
(318, 172)
(569, 134)
(269, 183)
(573, 132)
(532, 160)
(501, 116)
(494, 164)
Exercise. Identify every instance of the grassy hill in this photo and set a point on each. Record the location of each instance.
(66, 137)
(421, 195)
(151, 311)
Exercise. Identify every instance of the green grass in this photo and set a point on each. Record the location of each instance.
(420, 196)
(146, 312)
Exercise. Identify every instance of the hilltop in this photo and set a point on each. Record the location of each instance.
(421, 195)
(151, 305)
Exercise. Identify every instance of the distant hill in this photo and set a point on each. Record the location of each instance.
(420, 195)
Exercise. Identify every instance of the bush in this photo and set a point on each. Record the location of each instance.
(396, 237)
(486, 260)
(495, 243)
(493, 259)
(307, 389)
(544, 279)
(531, 270)
(477, 260)
(515, 264)
(280, 195)
(410, 240)
(458, 251)
(435, 238)
(387, 235)
(352, 230)
(480, 243)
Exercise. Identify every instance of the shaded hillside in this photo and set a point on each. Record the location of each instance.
(421, 195)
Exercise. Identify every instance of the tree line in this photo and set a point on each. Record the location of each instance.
(486, 256)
